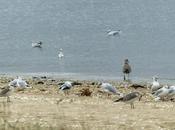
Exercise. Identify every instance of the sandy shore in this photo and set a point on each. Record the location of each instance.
(44, 107)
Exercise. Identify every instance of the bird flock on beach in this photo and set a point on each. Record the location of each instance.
(157, 91)
(164, 93)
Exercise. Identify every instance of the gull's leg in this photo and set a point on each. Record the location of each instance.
(8, 99)
(133, 105)
(124, 78)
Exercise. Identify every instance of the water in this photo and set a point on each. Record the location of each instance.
(80, 28)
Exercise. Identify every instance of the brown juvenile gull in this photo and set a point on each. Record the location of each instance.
(6, 92)
(126, 69)
(130, 98)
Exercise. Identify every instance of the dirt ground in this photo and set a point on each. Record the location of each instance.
(44, 107)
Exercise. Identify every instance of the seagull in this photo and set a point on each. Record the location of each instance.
(18, 82)
(162, 92)
(66, 86)
(155, 84)
(126, 69)
(37, 44)
(6, 92)
(107, 87)
(60, 53)
(130, 98)
(113, 33)
(14, 82)
(171, 87)
(171, 93)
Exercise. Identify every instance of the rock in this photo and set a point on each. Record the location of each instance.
(43, 77)
(40, 82)
(136, 86)
(76, 83)
(85, 92)
(42, 89)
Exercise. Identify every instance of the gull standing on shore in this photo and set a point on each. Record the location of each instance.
(162, 93)
(66, 86)
(126, 69)
(18, 82)
(130, 98)
(155, 84)
(6, 92)
(109, 88)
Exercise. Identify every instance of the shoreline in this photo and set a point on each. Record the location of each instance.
(86, 77)
(74, 76)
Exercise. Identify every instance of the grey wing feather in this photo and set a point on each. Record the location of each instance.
(111, 89)
(155, 89)
(129, 96)
(4, 91)
(64, 86)
(126, 68)
(158, 92)
(171, 91)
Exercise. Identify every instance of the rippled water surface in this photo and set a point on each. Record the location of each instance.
(80, 28)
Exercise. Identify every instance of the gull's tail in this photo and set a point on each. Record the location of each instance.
(118, 100)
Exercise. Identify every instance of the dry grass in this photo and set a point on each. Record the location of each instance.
(85, 92)
(43, 107)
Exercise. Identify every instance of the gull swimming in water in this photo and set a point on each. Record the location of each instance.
(130, 98)
(60, 53)
(126, 69)
(37, 44)
(155, 84)
(6, 92)
(113, 33)
(109, 88)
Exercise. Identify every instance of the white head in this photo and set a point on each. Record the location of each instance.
(166, 86)
(155, 78)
